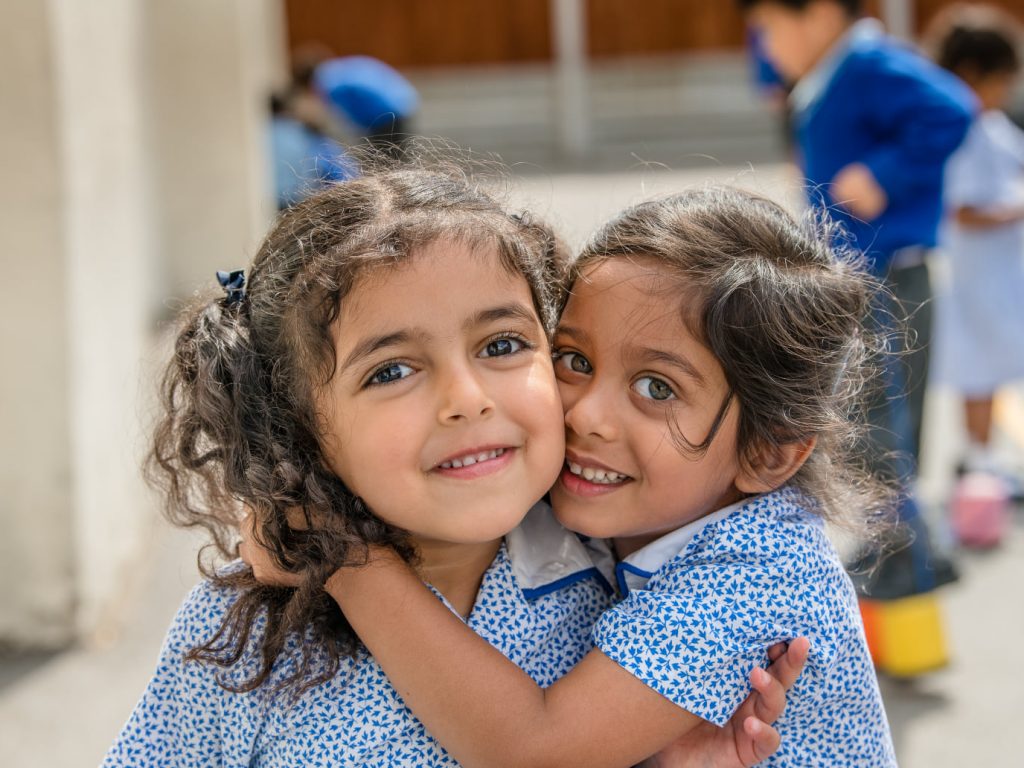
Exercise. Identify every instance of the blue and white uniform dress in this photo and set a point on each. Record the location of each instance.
(703, 603)
(537, 604)
(980, 318)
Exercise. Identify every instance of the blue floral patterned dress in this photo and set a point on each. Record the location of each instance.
(537, 604)
(704, 602)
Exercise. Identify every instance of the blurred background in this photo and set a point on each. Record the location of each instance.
(139, 141)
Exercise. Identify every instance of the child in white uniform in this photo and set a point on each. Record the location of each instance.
(709, 357)
(384, 378)
(981, 319)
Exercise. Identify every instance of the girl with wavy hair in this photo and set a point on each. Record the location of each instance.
(383, 379)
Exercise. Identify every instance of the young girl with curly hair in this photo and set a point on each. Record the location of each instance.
(382, 379)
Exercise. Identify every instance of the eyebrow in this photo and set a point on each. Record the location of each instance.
(576, 334)
(680, 363)
(511, 311)
(373, 344)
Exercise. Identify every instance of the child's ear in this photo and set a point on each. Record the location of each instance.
(772, 465)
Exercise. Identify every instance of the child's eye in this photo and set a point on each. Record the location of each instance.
(574, 362)
(389, 373)
(506, 345)
(653, 388)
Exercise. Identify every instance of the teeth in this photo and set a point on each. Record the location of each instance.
(598, 476)
(474, 458)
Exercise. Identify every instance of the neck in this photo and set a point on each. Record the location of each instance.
(627, 545)
(827, 35)
(455, 570)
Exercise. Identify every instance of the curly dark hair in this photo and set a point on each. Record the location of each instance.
(239, 425)
(786, 315)
(975, 41)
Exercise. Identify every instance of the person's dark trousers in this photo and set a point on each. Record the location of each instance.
(895, 409)
(911, 287)
(895, 414)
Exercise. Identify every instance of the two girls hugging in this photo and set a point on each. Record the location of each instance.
(505, 507)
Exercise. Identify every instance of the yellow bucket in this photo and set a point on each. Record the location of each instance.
(906, 635)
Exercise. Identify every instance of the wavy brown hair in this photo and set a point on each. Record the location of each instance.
(239, 424)
(788, 317)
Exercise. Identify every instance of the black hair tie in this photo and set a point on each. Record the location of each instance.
(233, 284)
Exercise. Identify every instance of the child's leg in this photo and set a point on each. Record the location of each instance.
(978, 416)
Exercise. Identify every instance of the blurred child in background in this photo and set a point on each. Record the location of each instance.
(372, 96)
(303, 158)
(981, 321)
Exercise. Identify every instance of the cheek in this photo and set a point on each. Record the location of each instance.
(361, 440)
(542, 413)
(543, 405)
(567, 394)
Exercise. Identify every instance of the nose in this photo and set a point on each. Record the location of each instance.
(464, 396)
(591, 413)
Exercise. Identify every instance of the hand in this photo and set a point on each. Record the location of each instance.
(260, 559)
(856, 189)
(748, 738)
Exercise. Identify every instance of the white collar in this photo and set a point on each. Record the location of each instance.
(811, 86)
(545, 556)
(636, 569)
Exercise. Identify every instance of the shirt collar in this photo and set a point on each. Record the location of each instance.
(811, 86)
(636, 569)
(545, 557)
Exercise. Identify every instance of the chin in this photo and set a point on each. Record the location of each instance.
(580, 522)
(490, 527)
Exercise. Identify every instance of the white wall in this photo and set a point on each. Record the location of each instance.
(132, 146)
(211, 64)
(36, 553)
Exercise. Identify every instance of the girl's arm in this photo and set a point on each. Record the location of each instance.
(747, 739)
(481, 706)
(969, 217)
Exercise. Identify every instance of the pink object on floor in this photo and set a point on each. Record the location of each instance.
(980, 510)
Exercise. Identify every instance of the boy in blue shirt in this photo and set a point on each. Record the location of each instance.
(875, 123)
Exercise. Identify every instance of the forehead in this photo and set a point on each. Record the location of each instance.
(438, 280)
(631, 302)
(636, 293)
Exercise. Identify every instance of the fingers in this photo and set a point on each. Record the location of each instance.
(787, 668)
(777, 650)
(764, 739)
(771, 685)
(770, 699)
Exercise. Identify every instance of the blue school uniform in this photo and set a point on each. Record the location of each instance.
(537, 604)
(703, 604)
(873, 100)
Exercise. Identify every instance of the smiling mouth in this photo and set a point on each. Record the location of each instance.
(473, 458)
(596, 476)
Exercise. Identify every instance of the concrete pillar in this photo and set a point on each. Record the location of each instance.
(109, 258)
(134, 165)
(571, 92)
(36, 546)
